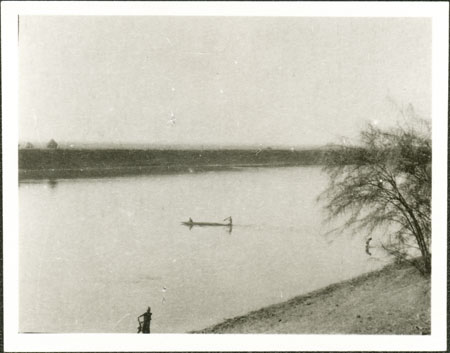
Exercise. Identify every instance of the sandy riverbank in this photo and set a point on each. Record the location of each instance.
(394, 300)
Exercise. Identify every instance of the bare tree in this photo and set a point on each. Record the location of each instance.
(386, 180)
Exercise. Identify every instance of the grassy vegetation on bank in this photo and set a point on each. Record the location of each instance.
(69, 163)
(393, 300)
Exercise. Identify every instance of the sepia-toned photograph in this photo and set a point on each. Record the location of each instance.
(208, 174)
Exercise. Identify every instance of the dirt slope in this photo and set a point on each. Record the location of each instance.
(394, 300)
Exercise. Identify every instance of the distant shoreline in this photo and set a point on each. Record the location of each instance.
(53, 174)
(37, 164)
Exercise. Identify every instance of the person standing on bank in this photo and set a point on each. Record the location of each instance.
(144, 325)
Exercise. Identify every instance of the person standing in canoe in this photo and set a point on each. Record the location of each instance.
(230, 219)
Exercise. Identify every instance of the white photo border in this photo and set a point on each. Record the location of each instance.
(14, 341)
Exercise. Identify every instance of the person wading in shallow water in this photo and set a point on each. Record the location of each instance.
(144, 325)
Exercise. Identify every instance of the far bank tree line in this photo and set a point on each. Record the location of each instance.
(52, 144)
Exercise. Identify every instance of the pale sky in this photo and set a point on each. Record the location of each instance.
(218, 80)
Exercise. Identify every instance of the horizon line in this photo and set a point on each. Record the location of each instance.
(122, 145)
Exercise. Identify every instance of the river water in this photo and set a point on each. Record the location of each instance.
(95, 253)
